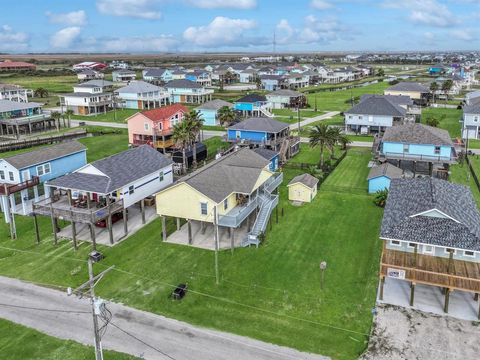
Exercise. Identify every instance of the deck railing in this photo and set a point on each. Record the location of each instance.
(407, 156)
(7, 189)
(238, 214)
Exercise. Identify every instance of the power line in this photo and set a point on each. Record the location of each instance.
(44, 309)
(143, 342)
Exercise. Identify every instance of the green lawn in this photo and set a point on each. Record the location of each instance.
(362, 138)
(340, 100)
(293, 113)
(118, 116)
(460, 174)
(215, 144)
(54, 84)
(20, 342)
(271, 293)
(449, 119)
(309, 155)
(101, 146)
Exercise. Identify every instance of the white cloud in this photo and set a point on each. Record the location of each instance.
(65, 38)
(231, 4)
(12, 41)
(161, 43)
(73, 18)
(284, 32)
(144, 9)
(462, 34)
(222, 31)
(321, 4)
(425, 12)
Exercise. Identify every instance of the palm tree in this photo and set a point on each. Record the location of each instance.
(381, 72)
(321, 137)
(40, 92)
(69, 113)
(181, 135)
(226, 116)
(258, 83)
(55, 115)
(194, 124)
(446, 87)
(433, 89)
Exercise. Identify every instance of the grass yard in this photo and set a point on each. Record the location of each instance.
(54, 84)
(101, 146)
(340, 100)
(214, 145)
(271, 293)
(293, 113)
(362, 138)
(110, 116)
(309, 155)
(460, 174)
(20, 342)
(449, 119)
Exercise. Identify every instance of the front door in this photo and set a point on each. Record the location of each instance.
(25, 175)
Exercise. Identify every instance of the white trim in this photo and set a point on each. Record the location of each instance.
(424, 250)
(399, 243)
(430, 210)
(465, 253)
(419, 243)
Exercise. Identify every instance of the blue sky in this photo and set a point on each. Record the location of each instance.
(238, 25)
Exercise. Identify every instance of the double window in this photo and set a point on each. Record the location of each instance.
(427, 249)
(437, 150)
(160, 176)
(131, 189)
(43, 169)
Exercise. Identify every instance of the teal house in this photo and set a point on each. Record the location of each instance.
(209, 111)
(380, 176)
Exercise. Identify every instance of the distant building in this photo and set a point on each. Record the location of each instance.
(142, 95)
(89, 98)
(419, 93)
(281, 99)
(123, 75)
(89, 74)
(14, 93)
(89, 65)
(9, 65)
(20, 118)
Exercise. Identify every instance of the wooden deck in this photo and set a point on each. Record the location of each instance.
(430, 270)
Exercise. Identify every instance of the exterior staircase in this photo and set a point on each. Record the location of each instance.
(266, 112)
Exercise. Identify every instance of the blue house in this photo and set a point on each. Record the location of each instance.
(415, 144)
(271, 82)
(253, 105)
(25, 171)
(267, 133)
(380, 176)
(157, 75)
(436, 69)
(271, 156)
(209, 111)
(186, 91)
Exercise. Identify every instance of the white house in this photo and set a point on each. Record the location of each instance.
(89, 98)
(14, 93)
(142, 95)
(471, 122)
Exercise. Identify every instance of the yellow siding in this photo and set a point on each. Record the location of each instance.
(300, 192)
(412, 94)
(183, 201)
(264, 176)
(232, 202)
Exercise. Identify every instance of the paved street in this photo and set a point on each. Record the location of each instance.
(179, 340)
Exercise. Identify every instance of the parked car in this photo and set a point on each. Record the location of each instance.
(115, 217)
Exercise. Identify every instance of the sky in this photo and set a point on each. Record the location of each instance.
(140, 26)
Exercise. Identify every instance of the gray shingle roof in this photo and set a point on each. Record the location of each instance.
(7, 105)
(409, 86)
(394, 99)
(138, 87)
(377, 105)
(417, 134)
(409, 197)
(120, 169)
(387, 170)
(472, 109)
(305, 179)
(235, 172)
(95, 83)
(183, 84)
(260, 124)
(44, 154)
(154, 72)
(214, 105)
(251, 98)
(285, 92)
(266, 153)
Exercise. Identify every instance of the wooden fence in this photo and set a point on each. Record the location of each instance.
(472, 171)
(41, 140)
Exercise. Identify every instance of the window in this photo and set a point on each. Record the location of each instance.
(395, 243)
(203, 208)
(146, 126)
(475, 118)
(43, 169)
(2, 174)
(360, 118)
(10, 175)
(131, 189)
(160, 176)
(411, 245)
(406, 148)
(437, 150)
(468, 253)
(450, 251)
(350, 116)
(427, 249)
(225, 204)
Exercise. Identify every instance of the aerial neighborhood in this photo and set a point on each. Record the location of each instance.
(220, 194)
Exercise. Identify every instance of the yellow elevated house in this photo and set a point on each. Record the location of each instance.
(302, 188)
(231, 194)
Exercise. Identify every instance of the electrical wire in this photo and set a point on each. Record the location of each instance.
(44, 309)
(143, 342)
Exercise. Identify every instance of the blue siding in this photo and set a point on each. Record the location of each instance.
(417, 149)
(378, 183)
(60, 166)
(274, 164)
(209, 117)
(247, 135)
(243, 106)
(131, 104)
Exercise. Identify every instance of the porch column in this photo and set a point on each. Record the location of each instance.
(6, 208)
(109, 219)
(412, 293)
(125, 221)
(232, 238)
(46, 189)
(447, 298)
(164, 228)
(189, 226)
(202, 227)
(92, 236)
(35, 193)
(142, 207)
(23, 195)
(35, 225)
(74, 229)
(54, 225)
(178, 223)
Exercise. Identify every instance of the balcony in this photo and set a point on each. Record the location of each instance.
(156, 144)
(24, 119)
(60, 208)
(238, 214)
(273, 183)
(7, 189)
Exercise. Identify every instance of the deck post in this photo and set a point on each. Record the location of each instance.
(447, 298)
(54, 224)
(89, 205)
(125, 224)
(164, 228)
(412, 293)
(202, 227)
(35, 224)
(74, 233)
(382, 284)
(248, 222)
(142, 206)
(475, 297)
(189, 226)
(109, 220)
(232, 238)
(178, 223)
(92, 236)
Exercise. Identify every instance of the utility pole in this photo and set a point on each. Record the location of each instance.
(215, 235)
(298, 118)
(95, 303)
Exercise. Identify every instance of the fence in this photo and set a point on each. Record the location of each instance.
(472, 171)
(27, 143)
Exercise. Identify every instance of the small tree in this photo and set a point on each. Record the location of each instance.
(55, 115)
(226, 116)
(381, 198)
(321, 137)
(381, 72)
(434, 122)
(258, 83)
(40, 92)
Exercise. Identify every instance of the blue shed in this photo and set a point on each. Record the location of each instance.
(380, 176)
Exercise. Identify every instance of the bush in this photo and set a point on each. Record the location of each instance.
(381, 198)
